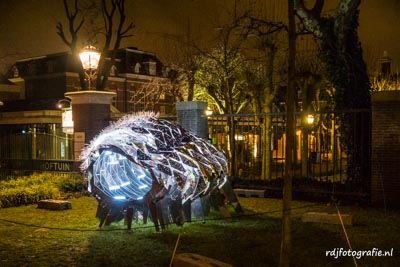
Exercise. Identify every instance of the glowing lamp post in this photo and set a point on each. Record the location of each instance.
(90, 58)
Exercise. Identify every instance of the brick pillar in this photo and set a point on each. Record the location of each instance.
(385, 177)
(192, 117)
(90, 113)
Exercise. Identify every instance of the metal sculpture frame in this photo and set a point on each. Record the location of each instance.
(145, 163)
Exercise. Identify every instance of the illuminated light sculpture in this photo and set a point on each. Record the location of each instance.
(141, 160)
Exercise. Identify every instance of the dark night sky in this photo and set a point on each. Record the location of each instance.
(27, 27)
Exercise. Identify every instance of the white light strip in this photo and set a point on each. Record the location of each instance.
(125, 184)
(114, 187)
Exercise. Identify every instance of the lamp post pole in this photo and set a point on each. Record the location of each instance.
(90, 108)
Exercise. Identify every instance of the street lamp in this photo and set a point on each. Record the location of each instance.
(90, 58)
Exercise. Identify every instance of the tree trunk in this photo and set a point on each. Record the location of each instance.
(269, 94)
(286, 242)
(266, 153)
(232, 146)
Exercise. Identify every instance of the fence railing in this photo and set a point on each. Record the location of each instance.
(36, 146)
(36, 152)
(256, 145)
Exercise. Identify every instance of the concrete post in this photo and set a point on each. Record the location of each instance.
(191, 116)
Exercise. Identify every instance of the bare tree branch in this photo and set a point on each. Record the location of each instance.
(310, 18)
(147, 96)
(73, 32)
(109, 12)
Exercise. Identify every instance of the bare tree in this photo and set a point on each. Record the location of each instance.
(184, 64)
(111, 11)
(222, 73)
(385, 83)
(75, 23)
(147, 96)
(266, 34)
(309, 78)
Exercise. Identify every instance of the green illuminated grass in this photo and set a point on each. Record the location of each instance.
(36, 237)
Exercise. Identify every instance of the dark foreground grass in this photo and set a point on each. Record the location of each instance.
(35, 237)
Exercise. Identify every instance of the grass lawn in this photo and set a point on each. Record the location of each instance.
(36, 237)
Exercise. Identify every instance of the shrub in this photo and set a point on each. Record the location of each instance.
(26, 190)
(71, 183)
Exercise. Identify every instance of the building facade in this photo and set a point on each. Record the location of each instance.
(30, 114)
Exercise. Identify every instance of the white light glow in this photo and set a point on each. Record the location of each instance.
(310, 119)
(90, 58)
(239, 137)
(67, 121)
(115, 187)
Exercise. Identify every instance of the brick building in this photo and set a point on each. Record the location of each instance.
(137, 77)
(36, 85)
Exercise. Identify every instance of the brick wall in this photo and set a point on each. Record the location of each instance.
(90, 113)
(90, 119)
(385, 177)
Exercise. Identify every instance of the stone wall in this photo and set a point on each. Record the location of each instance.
(385, 176)
(192, 117)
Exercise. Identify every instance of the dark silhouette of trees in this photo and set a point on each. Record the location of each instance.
(114, 29)
(341, 52)
(75, 23)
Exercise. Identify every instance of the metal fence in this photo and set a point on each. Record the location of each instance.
(254, 143)
(258, 153)
(28, 152)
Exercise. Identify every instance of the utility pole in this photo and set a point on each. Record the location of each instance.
(286, 241)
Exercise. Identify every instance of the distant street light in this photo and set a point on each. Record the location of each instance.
(208, 112)
(310, 119)
(64, 104)
(90, 58)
